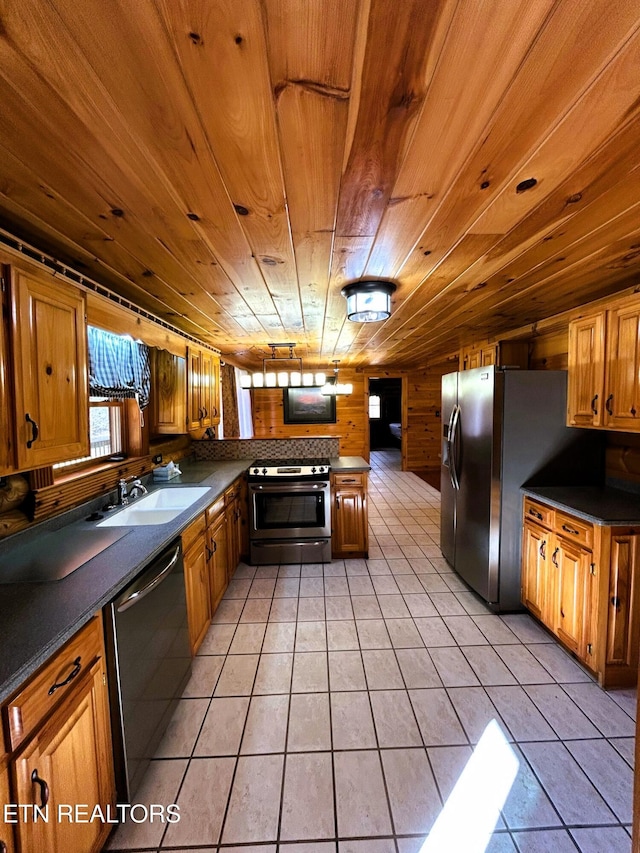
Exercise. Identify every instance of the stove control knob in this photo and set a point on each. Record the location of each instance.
(255, 471)
(264, 470)
(313, 470)
(321, 469)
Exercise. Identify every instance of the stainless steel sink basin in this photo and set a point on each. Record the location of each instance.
(157, 508)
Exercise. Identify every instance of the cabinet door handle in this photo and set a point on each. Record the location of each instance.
(633, 411)
(44, 788)
(535, 513)
(593, 404)
(571, 530)
(34, 429)
(543, 549)
(607, 405)
(3, 847)
(337, 502)
(615, 601)
(553, 558)
(205, 411)
(77, 666)
(209, 552)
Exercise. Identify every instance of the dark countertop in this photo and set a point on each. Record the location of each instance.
(36, 619)
(342, 464)
(606, 506)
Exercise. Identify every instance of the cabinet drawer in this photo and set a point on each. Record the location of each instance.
(191, 533)
(213, 511)
(347, 479)
(574, 529)
(540, 513)
(54, 680)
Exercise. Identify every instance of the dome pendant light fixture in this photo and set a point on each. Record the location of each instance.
(368, 301)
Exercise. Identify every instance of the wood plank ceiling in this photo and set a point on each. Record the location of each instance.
(230, 164)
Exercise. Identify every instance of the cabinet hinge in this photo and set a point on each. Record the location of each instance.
(589, 649)
(592, 569)
(3, 284)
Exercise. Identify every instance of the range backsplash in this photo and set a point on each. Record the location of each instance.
(266, 448)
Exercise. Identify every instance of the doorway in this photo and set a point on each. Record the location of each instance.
(385, 422)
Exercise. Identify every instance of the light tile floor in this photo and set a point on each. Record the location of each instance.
(332, 709)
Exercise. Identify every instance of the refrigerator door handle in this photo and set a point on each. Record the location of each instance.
(453, 459)
(449, 458)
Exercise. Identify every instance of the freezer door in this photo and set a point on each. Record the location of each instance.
(477, 460)
(447, 490)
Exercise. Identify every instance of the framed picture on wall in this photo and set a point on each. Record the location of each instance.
(308, 406)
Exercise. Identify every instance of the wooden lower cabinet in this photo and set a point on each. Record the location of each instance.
(581, 581)
(349, 522)
(218, 558)
(570, 598)
(535, 552)
(6, 829)
(62, 758)
(196, 579)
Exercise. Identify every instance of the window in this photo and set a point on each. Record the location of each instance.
(105, 431)
(374, 407)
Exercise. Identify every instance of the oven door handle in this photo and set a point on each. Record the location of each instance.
(265, 543)
(273, 487)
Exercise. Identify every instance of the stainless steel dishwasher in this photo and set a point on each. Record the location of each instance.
(147, 640)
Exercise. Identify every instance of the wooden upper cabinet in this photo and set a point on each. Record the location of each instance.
(50, 370)
(7, 446)
(622, 404)
(169, 393)
(585, 394)
(203, 389)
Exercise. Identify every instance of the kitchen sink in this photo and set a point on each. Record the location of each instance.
(157, 508)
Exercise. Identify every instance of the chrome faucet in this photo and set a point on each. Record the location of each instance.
(135, 491)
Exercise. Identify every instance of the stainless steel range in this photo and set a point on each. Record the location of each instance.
(290, 511)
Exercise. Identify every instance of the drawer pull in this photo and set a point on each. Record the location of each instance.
(593, 404)
(571, 530)
(77, 666)
(44, 788)
(553, 558)
(535, 513)
(348, 480)
(543, 549)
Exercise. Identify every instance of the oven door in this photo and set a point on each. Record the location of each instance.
(289, 510)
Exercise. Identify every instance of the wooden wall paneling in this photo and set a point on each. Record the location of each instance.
(83, 108)
(387, 109)
(22, 193)
(423, 400)
(312, 129)
(515, 128)
(182, 154)
(268, 417)
(229, 79)
(550, 351)
(449, 135)
(310, 52)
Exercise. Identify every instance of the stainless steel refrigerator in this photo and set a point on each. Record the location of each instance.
(502, 429)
